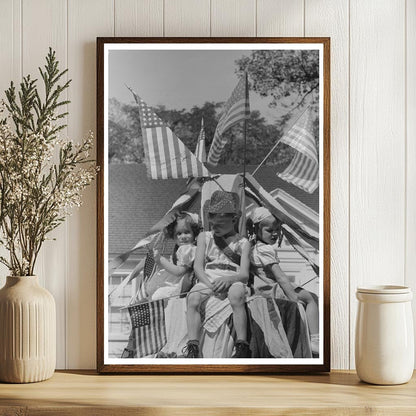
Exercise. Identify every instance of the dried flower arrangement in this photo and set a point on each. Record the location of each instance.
(42, 176)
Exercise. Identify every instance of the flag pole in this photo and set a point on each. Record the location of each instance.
(144, 302)
(245, 136)
(274, 147)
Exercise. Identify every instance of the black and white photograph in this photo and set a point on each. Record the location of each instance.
(213, 202)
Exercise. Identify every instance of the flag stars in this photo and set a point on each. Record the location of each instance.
(140, 315)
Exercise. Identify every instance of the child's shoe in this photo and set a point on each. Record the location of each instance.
(315, 344)
(242, 350)
(191, 349)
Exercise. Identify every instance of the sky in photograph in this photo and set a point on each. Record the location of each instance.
(180, 79)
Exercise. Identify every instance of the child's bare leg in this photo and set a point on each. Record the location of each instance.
(312, 311)
(236, 296)
(193, 316)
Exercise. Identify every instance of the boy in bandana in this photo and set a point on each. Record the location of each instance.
(221, 265)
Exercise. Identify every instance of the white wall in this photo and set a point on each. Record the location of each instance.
(373, 132)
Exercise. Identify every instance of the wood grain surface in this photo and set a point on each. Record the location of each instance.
(233, 18)
(410, 261)
(85, 18)
(281, 18)
(138, 18)
(340, 393)
(186, 18)
(329, 17)
(377, 149)
(51, 267)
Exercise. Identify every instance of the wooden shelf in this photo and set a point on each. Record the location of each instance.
(86, 393)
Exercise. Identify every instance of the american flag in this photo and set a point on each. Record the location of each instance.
(275, 207)
(166, 155)
(149, 266)
(148, 323)
(297, 244)
(303, 170)
(236, 109)
(200, 151)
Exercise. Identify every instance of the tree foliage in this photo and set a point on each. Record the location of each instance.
(125, 141)
(288, 77)
(126, 144)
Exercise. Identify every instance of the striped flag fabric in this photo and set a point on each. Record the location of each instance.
(165, 154)
(301, 213)
(118, 261)
(200, 151)
(303, 170)
(236, 109)
(301, 138)
(140, 295)
(149, 266)
(298, 245)
(148, 323)
(305, 215)
(183, 203)
(267, 200)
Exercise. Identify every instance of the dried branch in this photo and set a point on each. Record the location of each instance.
(37, 194)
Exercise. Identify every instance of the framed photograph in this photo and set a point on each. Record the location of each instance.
(213, 205)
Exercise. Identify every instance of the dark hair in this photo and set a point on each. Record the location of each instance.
(194, 227)
(251, 230)
(170, 231)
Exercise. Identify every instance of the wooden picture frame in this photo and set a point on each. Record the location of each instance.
(185, 78)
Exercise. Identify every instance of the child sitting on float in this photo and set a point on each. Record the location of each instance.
(175, 275)
(222, 269)
(269, 279)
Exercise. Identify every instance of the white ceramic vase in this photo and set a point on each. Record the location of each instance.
(384, 337)
(27, 331)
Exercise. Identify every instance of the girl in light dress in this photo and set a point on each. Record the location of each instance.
(270, 280)
(175, 275)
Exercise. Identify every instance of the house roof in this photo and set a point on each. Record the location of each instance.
(137, 202)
